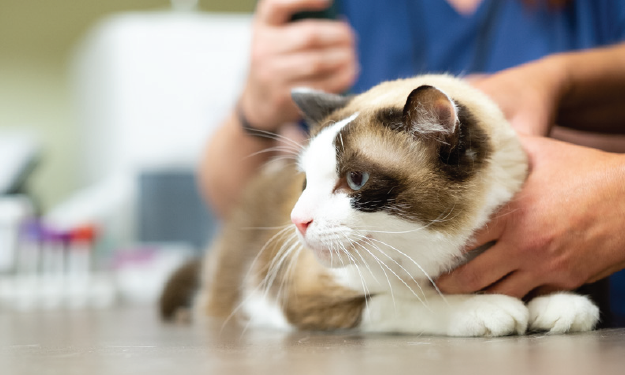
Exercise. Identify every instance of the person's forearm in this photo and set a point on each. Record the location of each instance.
(594, 89)
(230, 159)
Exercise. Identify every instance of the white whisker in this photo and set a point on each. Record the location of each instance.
(252, 267)
(276, 263)
(266, 228)
(399, 277)
(382, 265)
(273, 272)
(276, 236)
(277, 137)
(352, 244)
(287, 276)
(365, 289)
(416, 264)
(274, 150)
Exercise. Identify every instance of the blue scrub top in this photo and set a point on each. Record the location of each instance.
(402, 38)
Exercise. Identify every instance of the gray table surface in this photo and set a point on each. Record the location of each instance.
(135, 341)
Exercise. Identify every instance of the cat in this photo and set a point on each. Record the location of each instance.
(390, 187)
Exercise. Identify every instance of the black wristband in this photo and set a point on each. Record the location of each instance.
(251, 130)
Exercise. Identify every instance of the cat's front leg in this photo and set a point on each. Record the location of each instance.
(454, 315)
(488, 315)
(562, 312)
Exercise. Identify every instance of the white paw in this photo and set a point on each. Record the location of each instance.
(489, 315)
(562, 312)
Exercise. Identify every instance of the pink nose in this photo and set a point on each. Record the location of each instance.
(302, 225)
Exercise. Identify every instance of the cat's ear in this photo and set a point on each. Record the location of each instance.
(317, 105)
(430, 113)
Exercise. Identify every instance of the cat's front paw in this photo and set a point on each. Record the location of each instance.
(562, 312)
(489, 315)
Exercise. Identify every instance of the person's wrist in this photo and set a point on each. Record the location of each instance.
(252, 118)
(259, 110)
(249, 128)
(549, 79)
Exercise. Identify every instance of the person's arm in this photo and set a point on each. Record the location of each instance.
(231, 157)
(582, 90)
(564, 228)
(595, 95)
(310, 53)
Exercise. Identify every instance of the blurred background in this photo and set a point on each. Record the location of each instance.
(104, 109)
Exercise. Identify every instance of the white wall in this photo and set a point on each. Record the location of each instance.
(37, 38)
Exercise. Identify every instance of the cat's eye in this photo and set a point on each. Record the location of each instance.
(356, 180)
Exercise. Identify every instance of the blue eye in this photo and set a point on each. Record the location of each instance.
(356, 180)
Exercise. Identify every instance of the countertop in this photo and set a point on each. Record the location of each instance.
(135, 341)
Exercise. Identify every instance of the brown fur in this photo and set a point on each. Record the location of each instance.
(314, 301)
(178, 292)
(244, 231)
(430, 190)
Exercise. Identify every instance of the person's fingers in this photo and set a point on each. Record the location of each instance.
(338, 82)
(315, 34)
(306, 66)
(279, 12)
(481, 272)
(490, 232)
(517, 284)
(544, 290)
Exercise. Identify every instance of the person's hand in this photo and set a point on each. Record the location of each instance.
(529, 95)
(564, 229)
(314, 53)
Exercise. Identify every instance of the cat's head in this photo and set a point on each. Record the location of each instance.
(396, 174)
